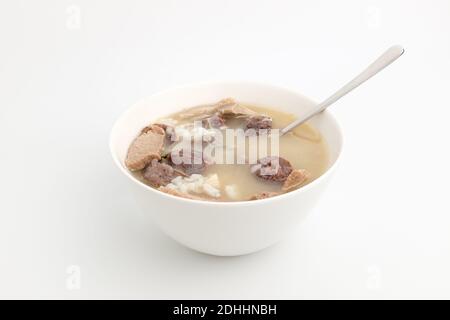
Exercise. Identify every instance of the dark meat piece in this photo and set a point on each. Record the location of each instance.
(197, 162)
(272, 168)
(259, 122)
(216, 121)
(159, 174)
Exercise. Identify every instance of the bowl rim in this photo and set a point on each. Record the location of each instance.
(282, 196)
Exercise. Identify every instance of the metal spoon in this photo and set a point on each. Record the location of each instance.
(383, 61)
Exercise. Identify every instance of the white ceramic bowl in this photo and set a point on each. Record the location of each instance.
(223, 228)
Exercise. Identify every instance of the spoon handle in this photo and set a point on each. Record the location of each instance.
(383, 61)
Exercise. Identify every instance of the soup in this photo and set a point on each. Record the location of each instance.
(227, 151)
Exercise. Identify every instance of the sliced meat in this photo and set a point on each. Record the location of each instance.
(295, 180)
(161, 125)
(145, 148)
(216, 121)
(199, 112)
(205, 111)
(156, 128)
(272, 168)
(180, 194)
(258, 122)
(225, 107)
(225, 103)
(229, 107)
(159, 174)
(236, 110)
(264, 195)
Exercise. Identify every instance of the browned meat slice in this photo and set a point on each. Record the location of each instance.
(236, 110)
(202, 112)
(229, 107)
(295, 180)
(159, 174)
(272, 168)
(263, 195)
(156, 128)
(225, 107)
(259, 122)
(145, 148)
(216, 121)
(225, 103)
(179, 194)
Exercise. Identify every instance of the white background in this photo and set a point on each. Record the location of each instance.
(68, 69)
